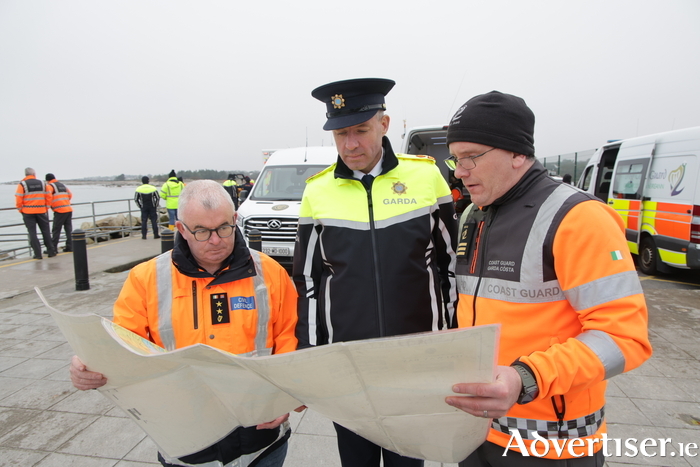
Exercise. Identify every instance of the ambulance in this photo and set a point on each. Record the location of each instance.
(272, 207)
(652, 182)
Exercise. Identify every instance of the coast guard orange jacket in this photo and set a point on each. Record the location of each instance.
(60, 196)
(31, 196)
(551, 265)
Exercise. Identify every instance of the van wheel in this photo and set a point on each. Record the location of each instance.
(648, 256)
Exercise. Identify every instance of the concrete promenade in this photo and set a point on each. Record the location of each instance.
(45, 422)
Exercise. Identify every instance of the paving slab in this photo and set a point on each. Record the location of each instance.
(45, 422)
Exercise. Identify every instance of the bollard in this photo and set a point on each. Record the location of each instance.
(167, 240)
(255, 240)
(80, 262)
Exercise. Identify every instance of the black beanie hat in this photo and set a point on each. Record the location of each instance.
(495, 119)
(145, 180)
(49, 177)
(172, 174)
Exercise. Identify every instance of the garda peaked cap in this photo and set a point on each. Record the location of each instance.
(353, 101)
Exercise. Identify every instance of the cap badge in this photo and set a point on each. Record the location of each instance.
(399, 188)
(338, 101)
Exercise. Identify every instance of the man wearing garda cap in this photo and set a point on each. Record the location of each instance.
(565, 292)
(374, 255)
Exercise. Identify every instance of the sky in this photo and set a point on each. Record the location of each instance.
(101, 88)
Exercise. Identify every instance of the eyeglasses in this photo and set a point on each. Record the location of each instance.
(202, 235)
(452, 161)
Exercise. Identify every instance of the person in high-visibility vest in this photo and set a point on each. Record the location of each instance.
(208, 290)
(147, 199)
(170, 192)
(230, 186)
(375, 244)
(549, 264)
(62, 211)
(32, 199)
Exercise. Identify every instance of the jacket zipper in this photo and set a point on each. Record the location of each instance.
(490, 215)
(194, 305)
(375, 257)
(560, 413)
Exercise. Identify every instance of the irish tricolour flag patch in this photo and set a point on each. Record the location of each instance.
(616, 255)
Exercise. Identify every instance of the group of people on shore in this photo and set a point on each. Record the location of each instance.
(33, 199)
(381, 252)
(148, 197)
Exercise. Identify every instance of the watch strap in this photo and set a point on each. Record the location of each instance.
(529, 390)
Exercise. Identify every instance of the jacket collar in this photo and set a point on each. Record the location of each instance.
(239, 264)
(389, 162)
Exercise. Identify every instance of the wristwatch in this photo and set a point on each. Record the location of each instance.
(529, 390)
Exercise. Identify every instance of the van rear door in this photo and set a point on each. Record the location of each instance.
(626, 194)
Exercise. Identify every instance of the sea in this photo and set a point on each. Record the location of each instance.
(108, 198)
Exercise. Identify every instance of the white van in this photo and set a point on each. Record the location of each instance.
(652, 182)
(428, 141)
(272, 207)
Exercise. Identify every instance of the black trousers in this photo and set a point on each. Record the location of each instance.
(42, 220)
(62, 220)
(152, 214)
(491, 455)
(355, 451)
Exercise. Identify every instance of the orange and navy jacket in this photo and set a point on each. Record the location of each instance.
(551, 265)
(378, 261)
(60, 196)
(224, 310)
(32, 196)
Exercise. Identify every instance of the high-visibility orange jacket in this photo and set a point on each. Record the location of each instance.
(225, 311)
(194, 317)
(60, 196)
(32, 196)
(551, 265)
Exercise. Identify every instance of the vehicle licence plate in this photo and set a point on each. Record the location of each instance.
(274, 251)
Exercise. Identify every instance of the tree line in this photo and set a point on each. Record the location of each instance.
(202, 174)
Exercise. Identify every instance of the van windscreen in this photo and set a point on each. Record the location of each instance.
(283, 182)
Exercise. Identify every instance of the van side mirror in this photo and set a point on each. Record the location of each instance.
(242, 196)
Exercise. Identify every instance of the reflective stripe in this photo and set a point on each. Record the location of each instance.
(309, 283)
(378, 224)
(577, 428)
(448, 303)
(509, 291)
(263, 303)
(532, 275)
(164, 286)
(165, 329)
(606, 349)
(603, 290)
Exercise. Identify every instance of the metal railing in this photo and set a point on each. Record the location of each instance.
(572, 163)
(12, 234)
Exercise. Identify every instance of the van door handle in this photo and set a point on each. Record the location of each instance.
(646, 198)
(610, 202)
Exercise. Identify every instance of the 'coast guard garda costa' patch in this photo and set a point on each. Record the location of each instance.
(219, 309)
(399, 188)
